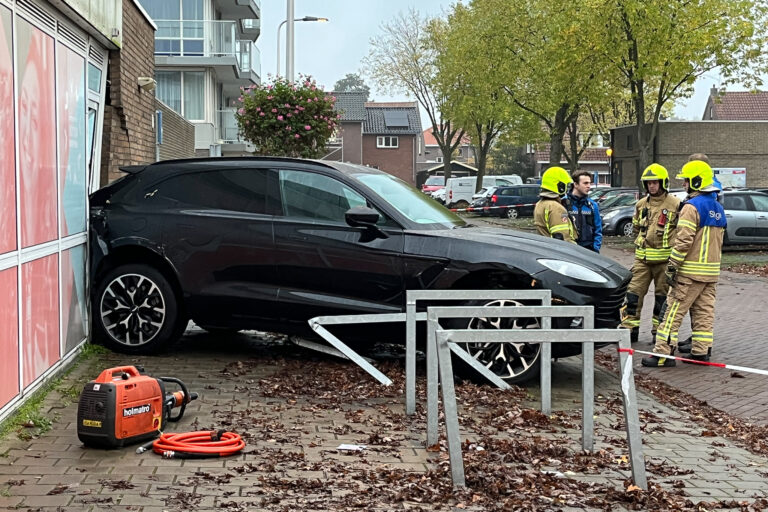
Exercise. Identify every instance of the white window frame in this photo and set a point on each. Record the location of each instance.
(388, 141)
(181, 93)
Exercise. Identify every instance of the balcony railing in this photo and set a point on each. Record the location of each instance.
(228, 132)
(249, 58)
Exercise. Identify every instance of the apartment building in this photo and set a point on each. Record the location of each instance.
(205, 52)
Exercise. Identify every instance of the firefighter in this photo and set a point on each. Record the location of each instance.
(550, 215)
(654, 224)
(694, 267)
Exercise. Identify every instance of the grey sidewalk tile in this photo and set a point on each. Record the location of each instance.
(48, 501)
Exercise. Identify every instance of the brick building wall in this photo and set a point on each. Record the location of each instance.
(129, 136)
(726, 143)
(400, 162)
(178, 135)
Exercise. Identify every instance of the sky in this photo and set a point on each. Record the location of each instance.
(328, 51)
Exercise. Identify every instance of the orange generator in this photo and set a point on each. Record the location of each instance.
(123, 406)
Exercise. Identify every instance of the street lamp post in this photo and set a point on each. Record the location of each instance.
(305, 18)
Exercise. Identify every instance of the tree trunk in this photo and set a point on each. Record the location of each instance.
(556, 135)
(447, 163)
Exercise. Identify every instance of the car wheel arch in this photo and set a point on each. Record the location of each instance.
(128, 254)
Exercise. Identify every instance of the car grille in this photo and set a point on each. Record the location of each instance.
(607, 311)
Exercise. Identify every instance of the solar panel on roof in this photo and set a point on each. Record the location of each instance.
(396, 119)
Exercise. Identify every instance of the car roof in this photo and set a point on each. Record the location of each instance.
(207, 163)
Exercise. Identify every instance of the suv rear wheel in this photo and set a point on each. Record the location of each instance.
(135, 310)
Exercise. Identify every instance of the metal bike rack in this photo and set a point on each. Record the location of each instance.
(414, 296)
(546, 313)
(445, 338)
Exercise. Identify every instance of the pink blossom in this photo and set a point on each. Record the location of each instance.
(315, 99)
(315, 117)
(289, 114)
(295, 111)
(274, 110)
(296, 136)
(279, 118)
(240, 98)
(261, 114)
(270, 97)
(309, 100)
(301, 108)
(287, 105)
(258, 109)
(288, 128)
(247, 122)
(307, 127)
(269, 87)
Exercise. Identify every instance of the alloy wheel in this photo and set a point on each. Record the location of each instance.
(132, 309)
(509, 361)
(512, 213)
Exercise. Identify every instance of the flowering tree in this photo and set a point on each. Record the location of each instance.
(287, 119)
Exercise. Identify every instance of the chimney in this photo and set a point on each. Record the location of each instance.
(713, 91)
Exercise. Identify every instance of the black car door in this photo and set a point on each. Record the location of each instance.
(217, 233)
(324, 265)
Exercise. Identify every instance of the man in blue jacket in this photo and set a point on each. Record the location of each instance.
(585, 213)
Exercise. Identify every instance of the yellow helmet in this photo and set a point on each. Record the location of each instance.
(655, 172)
(556, 179)
(699, 174)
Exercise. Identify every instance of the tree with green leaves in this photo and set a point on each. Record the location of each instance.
(352, 82)
(660, 47)
(287, 118)
(532, 47)
(403, 58)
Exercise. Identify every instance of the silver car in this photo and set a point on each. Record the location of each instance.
(747, 214)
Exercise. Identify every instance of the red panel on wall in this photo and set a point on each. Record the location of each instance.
(7, 139)
(40, 312)
(37, 135)
(9, 336)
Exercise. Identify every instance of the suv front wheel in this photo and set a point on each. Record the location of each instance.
(135, 310)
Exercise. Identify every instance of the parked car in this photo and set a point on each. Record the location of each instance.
(618, 220)
(600, 194)
(459, 191)
(267, 243)
(505, 197)
(747, 214)
(618, 200)
(482, 199)
(438, 195)
(433, 183)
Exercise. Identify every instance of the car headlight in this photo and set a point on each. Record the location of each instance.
(610, 215)
(574, 270)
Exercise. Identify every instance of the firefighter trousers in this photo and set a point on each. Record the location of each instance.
(643, 274)
(699, 298)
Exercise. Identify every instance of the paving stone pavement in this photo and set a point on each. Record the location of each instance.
(54, 472)
(741, 330)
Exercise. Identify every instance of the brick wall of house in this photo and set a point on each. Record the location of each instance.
(129, 136)
(726, 143)
(399, 162)
(178, 135)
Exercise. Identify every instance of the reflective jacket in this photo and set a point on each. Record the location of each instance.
(699, 241)
(551, 219)
(655, 222)
(585, 215)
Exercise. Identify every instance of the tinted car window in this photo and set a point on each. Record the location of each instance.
(241, 190)
(734, 202)
(315, 196)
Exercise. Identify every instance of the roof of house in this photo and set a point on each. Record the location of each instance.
(454, 163)
(589, 155)
(392, 118)
(430, 140)
(351, 105)
(740, 106)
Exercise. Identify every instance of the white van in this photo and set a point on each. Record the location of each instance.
(458, 191)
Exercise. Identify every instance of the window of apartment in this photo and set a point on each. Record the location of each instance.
(183, 91)
(439, 159)
(387, 142)
(180, 26)
(629, 142)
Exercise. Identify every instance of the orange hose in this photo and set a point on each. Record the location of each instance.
(200, 444)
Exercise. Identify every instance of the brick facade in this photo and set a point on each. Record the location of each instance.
(129, 135)
(400, 162)
(726, 143)
(178, 135)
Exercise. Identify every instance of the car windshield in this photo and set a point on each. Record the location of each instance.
(410, 202)
(435, 181)
(620, 200)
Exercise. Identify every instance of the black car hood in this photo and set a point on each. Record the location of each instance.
(504, 245)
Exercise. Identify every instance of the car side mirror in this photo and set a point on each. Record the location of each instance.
(364, 217)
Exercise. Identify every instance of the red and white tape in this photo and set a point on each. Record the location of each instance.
(487, 208)
(745, 369)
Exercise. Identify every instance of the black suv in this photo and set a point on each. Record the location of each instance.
(268, 243)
